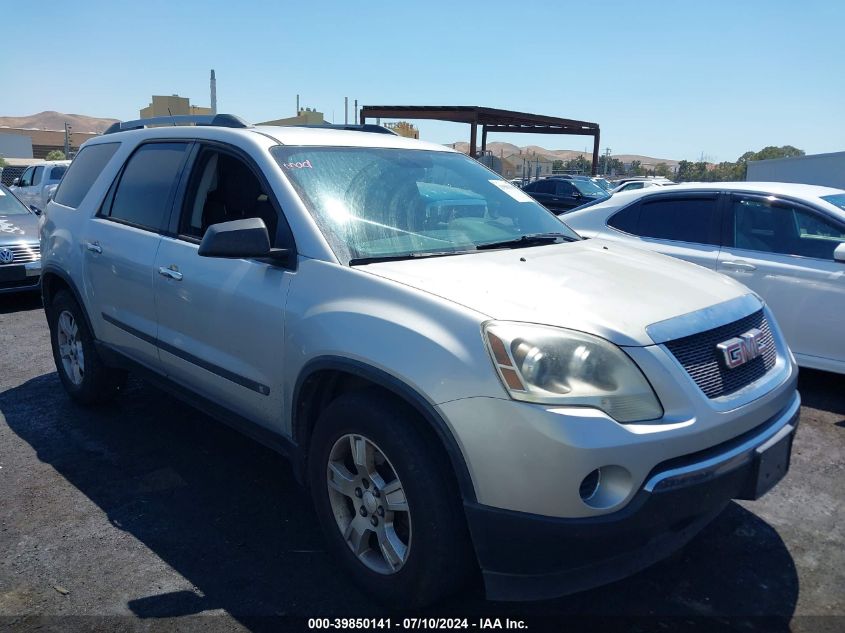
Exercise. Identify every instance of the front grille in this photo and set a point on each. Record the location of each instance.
(703, 361)
(24, 253)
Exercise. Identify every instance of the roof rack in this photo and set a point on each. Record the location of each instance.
(366, 127)
(217, 120)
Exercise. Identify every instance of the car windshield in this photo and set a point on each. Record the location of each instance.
(588, 188)
(837, 200)
(10, 205)
(382, 203)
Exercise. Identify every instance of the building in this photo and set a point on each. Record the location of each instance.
(42, 142)
(816, 169)
(403, 128)
(173, 105)
(15, 146)
(305, 116)
(525, 166)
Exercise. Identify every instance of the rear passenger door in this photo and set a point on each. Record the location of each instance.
(221, 321)
(120, 245)
(683, 225)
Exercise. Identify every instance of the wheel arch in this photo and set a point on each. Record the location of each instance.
(53, 280)
(318, 384)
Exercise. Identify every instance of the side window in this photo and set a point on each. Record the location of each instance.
(82, 173)
(778, 227)
(26, 178)
(530, 187)
(146, 187)
(679, 219)
(564, 188)
(627, 219)
(37, 175)
(633, 185)
(544, 186)
(224, 188)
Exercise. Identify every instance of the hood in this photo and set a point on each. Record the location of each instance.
(18, 227)
(593, 286)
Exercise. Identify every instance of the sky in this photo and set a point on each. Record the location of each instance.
(673, 80)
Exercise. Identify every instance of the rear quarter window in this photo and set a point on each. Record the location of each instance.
(82, 173)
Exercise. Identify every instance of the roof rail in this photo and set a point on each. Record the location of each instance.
(218, 120)
(366, 127)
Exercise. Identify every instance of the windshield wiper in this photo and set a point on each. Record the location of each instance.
(534, 239)
(358, 261)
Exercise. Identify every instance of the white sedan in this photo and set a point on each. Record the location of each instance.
(785, 241)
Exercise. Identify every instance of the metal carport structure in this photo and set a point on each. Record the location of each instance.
(490, 120)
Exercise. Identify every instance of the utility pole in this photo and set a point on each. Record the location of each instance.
(355, 113)
(67, 139)
(606, 160)
(346, 110)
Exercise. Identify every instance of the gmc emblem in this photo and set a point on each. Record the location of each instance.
(743, 348)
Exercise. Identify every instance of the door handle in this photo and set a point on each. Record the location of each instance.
(94, 247)
(170, 272)
(740, 265)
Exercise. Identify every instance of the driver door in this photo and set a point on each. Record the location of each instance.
(221, 321)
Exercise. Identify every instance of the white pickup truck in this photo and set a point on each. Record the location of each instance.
(38, 181)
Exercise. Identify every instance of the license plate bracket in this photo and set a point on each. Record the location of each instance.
(12, 273)
(771, 463)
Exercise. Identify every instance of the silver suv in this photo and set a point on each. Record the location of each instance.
(460, 381)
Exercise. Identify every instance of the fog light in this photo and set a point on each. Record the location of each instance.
(590, 485)
(605, 487)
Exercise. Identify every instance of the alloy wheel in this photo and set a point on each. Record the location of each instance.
(70, 348)
(369, 505)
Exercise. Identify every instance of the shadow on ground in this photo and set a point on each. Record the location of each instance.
(227, 515)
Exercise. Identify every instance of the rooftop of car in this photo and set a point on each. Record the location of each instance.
(286, 135)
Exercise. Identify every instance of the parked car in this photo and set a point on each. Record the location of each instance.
(33, 187)
(784, 241)
(456, 390)
(20, 252)
(560, 194)
(632, 184)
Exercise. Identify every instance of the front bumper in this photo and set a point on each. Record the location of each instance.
(528, 557)
(25, 277)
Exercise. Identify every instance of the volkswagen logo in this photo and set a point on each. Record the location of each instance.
(6, 256)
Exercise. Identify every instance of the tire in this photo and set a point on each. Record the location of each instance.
(84, 376)
(437, 559)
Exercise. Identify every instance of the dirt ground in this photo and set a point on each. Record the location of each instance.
(147, 515)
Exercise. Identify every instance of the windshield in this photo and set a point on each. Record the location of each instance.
(837, 200)
(388, 203)
(10, 205)
(588, 188)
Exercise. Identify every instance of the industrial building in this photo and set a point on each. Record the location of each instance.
(816, 169)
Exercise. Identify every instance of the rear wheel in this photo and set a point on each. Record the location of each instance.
(83, 374)
(386, 502)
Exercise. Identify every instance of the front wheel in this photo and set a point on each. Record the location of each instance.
(386, 503)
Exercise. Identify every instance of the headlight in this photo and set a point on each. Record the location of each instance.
(555, 366)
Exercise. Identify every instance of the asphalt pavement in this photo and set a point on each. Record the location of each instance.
(145, 514)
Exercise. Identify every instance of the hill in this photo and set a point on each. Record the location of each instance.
(51, 120)
(509, 149)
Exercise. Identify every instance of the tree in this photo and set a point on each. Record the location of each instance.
(662, 169)
(689, 171)
(636, 168)
(55, 154)
(3, 162)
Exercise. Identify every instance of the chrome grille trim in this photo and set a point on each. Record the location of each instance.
(23, 253)
(702, 360)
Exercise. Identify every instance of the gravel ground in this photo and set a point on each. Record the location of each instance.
(147, 515)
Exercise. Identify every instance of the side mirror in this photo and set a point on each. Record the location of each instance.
(16, 182)
(577, 195)
(35, 209)
(239, 239)
(839, 253)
